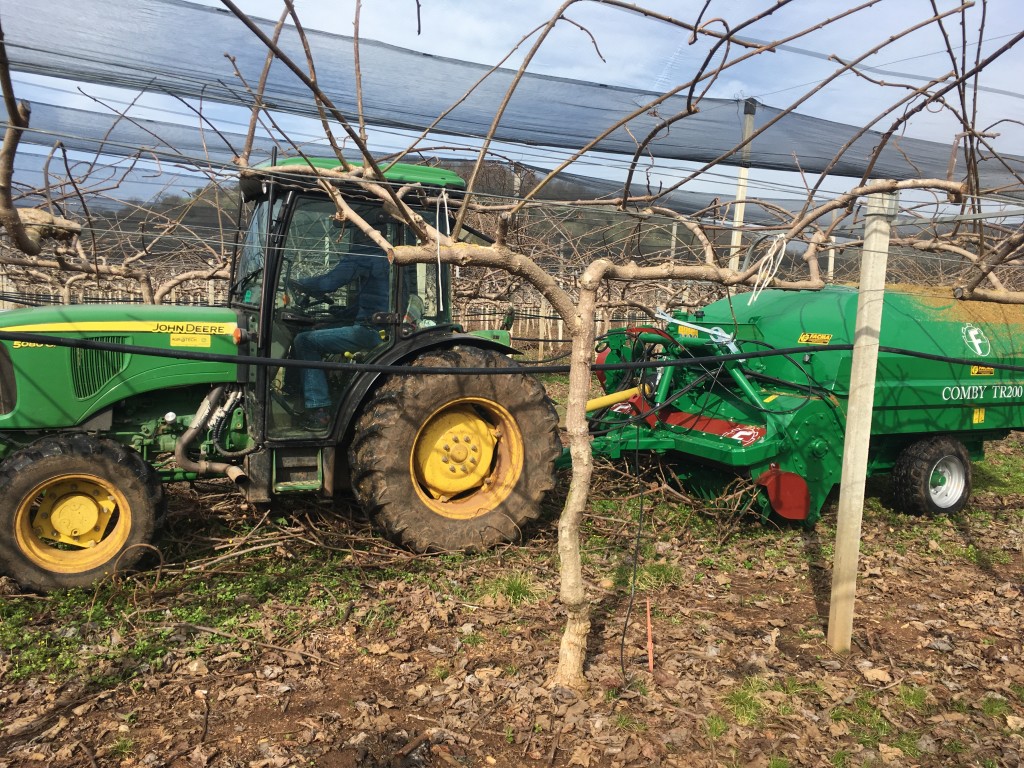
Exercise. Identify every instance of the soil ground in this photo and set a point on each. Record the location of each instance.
(306, 640)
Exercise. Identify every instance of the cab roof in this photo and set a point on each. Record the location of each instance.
(405, 173)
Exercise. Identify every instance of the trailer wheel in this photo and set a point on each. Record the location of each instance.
(448, 462)
(932, 477)
(74, 509)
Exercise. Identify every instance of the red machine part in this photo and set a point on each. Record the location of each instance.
(787, 492)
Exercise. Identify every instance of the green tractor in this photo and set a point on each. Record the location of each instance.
(100, 405)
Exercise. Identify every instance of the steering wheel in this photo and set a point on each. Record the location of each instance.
(303, 298)
(299, 301)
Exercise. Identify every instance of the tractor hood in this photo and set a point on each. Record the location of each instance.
(44, 385)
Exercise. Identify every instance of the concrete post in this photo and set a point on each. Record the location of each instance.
(740, 208)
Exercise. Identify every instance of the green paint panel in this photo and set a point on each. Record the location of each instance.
(60, 387)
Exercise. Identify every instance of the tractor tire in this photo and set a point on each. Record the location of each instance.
(75, 508)
(449, 462)
(932, 477)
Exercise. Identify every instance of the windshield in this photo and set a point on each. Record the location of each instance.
(316, 243)
(334, 262)
(249, 271)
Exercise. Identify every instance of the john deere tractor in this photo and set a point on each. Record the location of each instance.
(100, 405)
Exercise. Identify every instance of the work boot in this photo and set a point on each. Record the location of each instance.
(316, 419)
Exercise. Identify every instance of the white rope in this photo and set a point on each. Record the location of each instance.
(769, 267)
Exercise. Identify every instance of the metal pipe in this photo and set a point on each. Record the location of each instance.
(615, 397)
(184, 442)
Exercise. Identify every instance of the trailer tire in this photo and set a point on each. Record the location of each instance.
(418, 476)
(75, 508)
(932, 477)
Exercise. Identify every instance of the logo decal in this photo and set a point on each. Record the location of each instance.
(814, 338)
(976, 340)
(745, 435)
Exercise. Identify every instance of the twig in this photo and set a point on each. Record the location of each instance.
(88, 753)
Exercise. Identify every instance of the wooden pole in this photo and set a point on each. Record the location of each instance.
(880, 212)
(830, 275)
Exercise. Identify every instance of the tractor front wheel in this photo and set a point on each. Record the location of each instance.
(932, 477)
(455, 462)
(74, 509)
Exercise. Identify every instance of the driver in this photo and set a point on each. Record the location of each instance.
(365, 267)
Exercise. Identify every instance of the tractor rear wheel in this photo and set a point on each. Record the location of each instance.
(932, 477)
(74, 509)
(450, 462)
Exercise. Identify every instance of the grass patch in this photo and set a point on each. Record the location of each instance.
(649, 576)
(994, 706)
(912, 697)
(743, 702)
(624, 721)
(716, 727)
(517, 588)
(123, 747)
(1000, 472)
(907, 741)
(867, 724)
(111, 633)
(980, 556)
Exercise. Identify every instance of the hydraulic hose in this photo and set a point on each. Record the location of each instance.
(209, 404)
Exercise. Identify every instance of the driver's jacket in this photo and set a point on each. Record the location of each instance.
(370, 273)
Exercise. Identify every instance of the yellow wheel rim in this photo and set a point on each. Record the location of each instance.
(466, 458)
(72, 523)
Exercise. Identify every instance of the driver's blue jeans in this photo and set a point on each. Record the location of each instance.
(315, 344)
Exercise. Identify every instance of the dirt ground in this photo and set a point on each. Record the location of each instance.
(444, 661)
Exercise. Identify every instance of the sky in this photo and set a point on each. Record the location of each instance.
(615, 47)
(607, 45)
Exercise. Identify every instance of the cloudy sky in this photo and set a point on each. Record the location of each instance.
(615, 47)
(609, 45)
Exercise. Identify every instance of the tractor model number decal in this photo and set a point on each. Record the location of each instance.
(32, 345)
(814, 338)
(980, 391)
(190, 340)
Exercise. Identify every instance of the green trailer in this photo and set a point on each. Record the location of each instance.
(758, 388)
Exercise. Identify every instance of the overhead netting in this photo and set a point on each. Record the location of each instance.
(153, 45)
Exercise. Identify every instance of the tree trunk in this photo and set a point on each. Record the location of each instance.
(573, 651)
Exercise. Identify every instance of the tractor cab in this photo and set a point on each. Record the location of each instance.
(313, 287)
